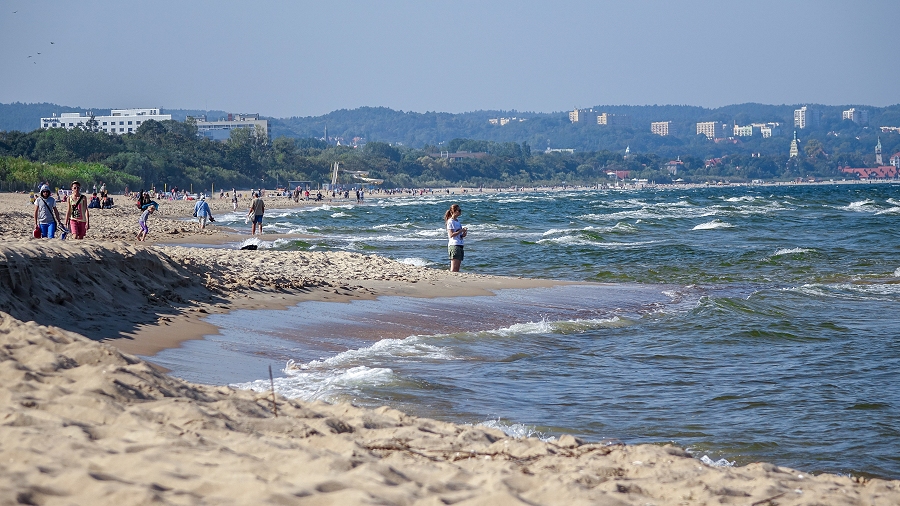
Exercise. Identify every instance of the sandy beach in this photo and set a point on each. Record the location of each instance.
(84, 421)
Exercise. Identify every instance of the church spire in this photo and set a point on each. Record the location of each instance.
(878, 160)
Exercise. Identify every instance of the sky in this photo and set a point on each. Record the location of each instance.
(304, 58)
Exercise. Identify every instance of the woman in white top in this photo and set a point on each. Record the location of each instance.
(455, 233)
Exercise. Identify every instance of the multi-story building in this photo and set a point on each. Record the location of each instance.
(119, 121)
(711, 129)
(221, 129)
(895, 160)
(768, 129)
(582, 116)
(620, 120)
(858, 116)
(662, 128)
(806, 117)
(746, 130)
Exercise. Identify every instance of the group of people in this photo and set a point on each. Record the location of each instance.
(47, 220)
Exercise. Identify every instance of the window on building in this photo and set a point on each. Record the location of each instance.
(45, 125)
(129, 124)
(137, 122)
(121, 122)
(104, 123)
(129, 129)
(121, 129)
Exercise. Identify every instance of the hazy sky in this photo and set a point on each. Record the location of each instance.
(300, 58)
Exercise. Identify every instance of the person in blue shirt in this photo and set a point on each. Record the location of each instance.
(202, 212)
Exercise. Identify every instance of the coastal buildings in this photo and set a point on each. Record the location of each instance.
(806, 117)
(858, 116)
(118, 122)
(895, 160)
(583, 116)
(662, 128)
(711, 129)
(614, 120)
(221, 129)
(504, 121)
(765, 129)
(882, 172)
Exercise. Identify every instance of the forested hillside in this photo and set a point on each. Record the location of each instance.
(413, 149)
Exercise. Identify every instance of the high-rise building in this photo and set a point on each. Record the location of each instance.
(582, 115)
(662, 128)
(711, 129)
(608, 119)
(858, 116)
(806, 117)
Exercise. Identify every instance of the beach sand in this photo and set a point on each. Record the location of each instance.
(84, 422)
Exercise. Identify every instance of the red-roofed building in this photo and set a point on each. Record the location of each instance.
(883, 172)
(895, 160)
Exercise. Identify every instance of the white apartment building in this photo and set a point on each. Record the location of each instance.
(711, 129)
(582, 115)
(858, 116)
(806, 117)
(662, 128)
(221, 129)
(119, 121)
(622, 120)
(745, 130)
(768, 129)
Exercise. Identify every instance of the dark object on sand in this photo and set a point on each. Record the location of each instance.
(251, 247)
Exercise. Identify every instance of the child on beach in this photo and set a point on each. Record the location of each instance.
(145, 230)
(77, 218)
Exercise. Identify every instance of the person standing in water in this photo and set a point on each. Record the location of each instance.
(256, 211)
(455, 233)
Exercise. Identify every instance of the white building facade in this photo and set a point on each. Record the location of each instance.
(806, 117)
(119, 121)
(221, 129)
(858, 116)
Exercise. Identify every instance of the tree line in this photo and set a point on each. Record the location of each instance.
(170, 153)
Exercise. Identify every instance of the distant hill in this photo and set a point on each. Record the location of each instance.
(543, 130)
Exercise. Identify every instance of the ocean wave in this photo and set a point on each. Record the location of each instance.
(517, 430)
(340, 214)
(712, 225)
(859, 206)
(890, 210)
(569, 240)
(415, 261)
(791, 251)
(326, 385)
(718, 463)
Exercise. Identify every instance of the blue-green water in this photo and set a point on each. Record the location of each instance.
(745, 323)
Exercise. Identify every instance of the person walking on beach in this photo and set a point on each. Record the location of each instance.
(77, 218)
(256, 211)
(234, 198)
(145, 216)
(46, 215)
(202, 212)
(456, 233)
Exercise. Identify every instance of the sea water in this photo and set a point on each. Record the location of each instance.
(744, 323)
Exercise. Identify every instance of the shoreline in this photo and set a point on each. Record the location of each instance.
(85, 423)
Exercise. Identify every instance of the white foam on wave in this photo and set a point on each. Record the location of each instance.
(791, 251)
(897, 273)
(415, 261)
(339, 214)
(712, 225)
(717, 463)
(326, 385)
(745, 198)
(890, 210)
(569, 240)
(859, 206)
(517, 430)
